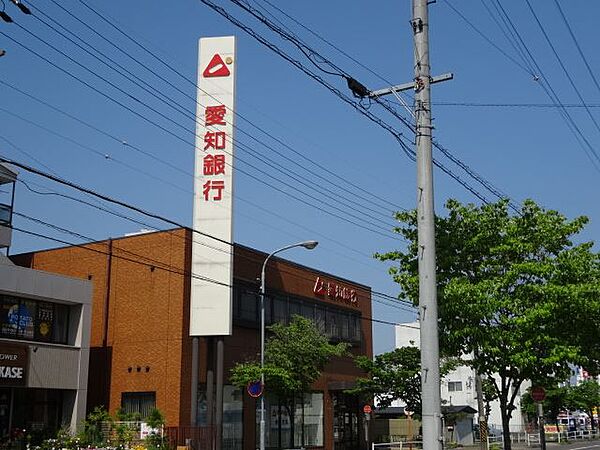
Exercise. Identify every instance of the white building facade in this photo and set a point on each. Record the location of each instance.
(458, 387)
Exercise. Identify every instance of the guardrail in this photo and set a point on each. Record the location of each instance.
(534, 438)
(398, 445)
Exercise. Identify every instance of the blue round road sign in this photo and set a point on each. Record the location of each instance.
(255, 389)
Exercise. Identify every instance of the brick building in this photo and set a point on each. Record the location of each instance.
(141, 352)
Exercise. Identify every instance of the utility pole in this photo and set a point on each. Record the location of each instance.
(428, 310)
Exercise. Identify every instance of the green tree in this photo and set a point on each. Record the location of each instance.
(556, 401)
(392, 375)
(295, 356)
(514, 292)
(585, 396)
(395, 375)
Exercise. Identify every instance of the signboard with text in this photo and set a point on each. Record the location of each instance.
(13, 365)
(335, 291)
(212, 259)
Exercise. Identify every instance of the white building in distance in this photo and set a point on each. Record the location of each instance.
(458, 386)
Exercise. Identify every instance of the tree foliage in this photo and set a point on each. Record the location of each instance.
(585, 396)
(295, 355)
(555, 402)
(393, 375)
(514, 291)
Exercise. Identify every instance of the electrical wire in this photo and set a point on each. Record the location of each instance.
(384, 230)
(546, 87)
(487, 39)
(166, 268)
(517, 105)
(329, 172)
(361, 109)
(444, 150)
(585, 60)
(141, 151)
(127, 206)
(562, 65)
(383, 233)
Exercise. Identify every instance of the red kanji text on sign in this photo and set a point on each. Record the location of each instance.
(214, 164)
(214, 115)
(217, 186)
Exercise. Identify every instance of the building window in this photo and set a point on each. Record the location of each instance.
(280, 313)
(454, 386)
(33, 320)
(312, 421)
(248, 307)
(138, 403)
(305, 428)
(233, 424)
(338, 324)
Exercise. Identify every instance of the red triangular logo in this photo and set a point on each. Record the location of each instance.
(216, 68)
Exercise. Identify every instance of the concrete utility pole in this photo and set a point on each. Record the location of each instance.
(428, 311)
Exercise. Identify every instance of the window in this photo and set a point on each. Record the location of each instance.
(308, 311)
(355, 331)
(344, 326)
(248, 307)
(333, 328)
(312, 420)
(338, 324)
(320, 319)
(233, 426)
(138, 403)
(295, 308)
(280, 309)
(454, 386)
(305, 428)
(33, 320)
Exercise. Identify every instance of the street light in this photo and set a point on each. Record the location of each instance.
(309, 245)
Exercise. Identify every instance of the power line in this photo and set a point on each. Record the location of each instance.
(161, 266)
(585, 61)
(242, 117)
(360, 108)
(487, 39)
(562, 65)
(444, 150)
(518, 105)
(548, 90)
(118, 202)
(261, 180)
(383, 231)
(140, 150)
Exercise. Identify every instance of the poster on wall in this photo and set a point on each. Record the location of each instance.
(212, 252)
(44, 321)
(16, 318)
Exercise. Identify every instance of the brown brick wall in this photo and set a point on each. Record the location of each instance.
(145, 309)
(148, 316)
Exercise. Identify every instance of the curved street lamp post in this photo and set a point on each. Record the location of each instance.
(309, 245)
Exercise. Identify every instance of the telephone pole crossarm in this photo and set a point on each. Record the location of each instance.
(408, 86)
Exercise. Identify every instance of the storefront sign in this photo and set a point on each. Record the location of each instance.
(212, 259)
(335, 291)
(13, 365)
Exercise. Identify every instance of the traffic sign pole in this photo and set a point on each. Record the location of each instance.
(541, 425)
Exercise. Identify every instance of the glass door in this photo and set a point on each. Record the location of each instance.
(346, 421)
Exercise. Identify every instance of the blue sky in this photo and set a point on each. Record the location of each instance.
(527, 152)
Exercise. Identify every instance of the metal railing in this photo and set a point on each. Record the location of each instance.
(398, 445)
(534, 438)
